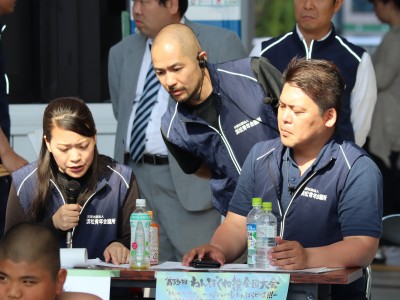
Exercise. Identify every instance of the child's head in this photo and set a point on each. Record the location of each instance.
(30, 263)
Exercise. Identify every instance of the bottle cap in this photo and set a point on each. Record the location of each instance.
(141, 202)
(267, 206)
(256, 201)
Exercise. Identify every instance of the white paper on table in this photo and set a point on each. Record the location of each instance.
(173, 265)
(98, 262)
(245, 267)
(170, 265)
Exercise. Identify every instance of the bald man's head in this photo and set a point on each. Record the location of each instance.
(31, 243)
(180, 64)
(180, 37)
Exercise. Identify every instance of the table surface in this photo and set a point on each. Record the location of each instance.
(342, 276)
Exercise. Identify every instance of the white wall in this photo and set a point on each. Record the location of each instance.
(26, 128)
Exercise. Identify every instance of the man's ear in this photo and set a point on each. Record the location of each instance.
(60, 280)
(173, 6)
(202, 55)
(330, 117)
(337, 5)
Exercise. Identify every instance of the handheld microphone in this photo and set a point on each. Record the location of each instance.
(72, 191)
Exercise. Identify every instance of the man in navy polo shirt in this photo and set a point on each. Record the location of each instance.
(325, 191)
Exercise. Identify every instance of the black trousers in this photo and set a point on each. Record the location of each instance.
(5, 183)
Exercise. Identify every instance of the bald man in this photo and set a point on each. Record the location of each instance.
(220, 110)
(175, 197)
(30, 266)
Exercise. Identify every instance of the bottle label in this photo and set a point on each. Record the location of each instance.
(140, 216)
(251, 243)
(153, 245)
(140, 240)
(251, 236)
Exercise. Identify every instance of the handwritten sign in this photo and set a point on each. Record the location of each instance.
(221, 285)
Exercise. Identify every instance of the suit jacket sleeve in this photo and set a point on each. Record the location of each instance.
(113, 80)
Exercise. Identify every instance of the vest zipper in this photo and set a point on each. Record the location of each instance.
(224, 139)
(228, 146)
(294, 195)
(308, 50)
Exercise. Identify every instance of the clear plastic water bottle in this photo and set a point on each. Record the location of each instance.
(252, 218)
(266, 233)
(140, 236)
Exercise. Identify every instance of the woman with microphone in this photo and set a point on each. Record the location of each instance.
(81, 194)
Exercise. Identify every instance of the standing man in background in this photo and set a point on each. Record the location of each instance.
(315, 37)
(9, 160)
(175, 198)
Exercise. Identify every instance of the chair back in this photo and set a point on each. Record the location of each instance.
(391, 229)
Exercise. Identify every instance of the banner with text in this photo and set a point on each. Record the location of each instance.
(221, 285)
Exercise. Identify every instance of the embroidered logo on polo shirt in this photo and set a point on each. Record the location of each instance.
(99, 220)
(246, 124)
(313, 194)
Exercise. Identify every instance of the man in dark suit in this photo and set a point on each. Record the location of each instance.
(181, 203)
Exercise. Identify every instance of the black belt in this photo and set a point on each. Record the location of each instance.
(154, 159)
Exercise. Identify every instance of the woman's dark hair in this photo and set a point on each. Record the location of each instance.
(319, 79)
(70, 114)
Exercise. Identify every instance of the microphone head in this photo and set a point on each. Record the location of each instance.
(73, 189)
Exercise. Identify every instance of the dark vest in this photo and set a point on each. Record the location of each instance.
(280, 50)
(244, 120)
(98, 222)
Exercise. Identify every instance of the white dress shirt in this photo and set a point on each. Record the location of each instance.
(154, 142)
